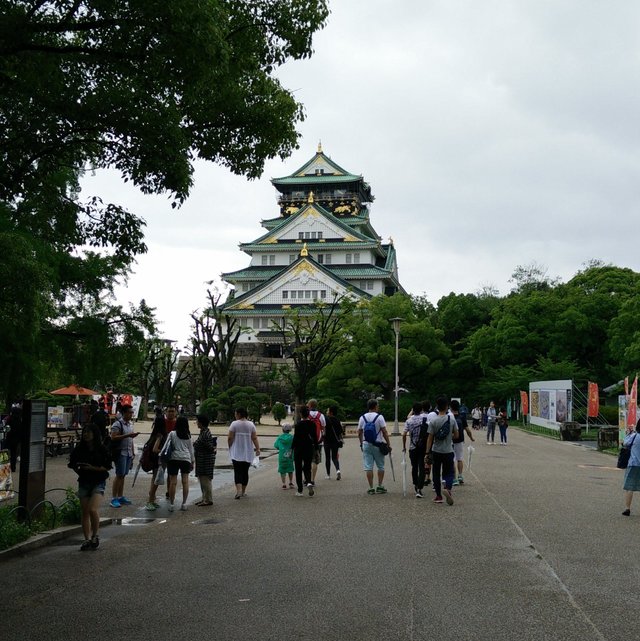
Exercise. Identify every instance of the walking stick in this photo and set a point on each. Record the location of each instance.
(393, 472)
(404, 473)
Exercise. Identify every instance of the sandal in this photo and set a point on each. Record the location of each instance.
(205, 503)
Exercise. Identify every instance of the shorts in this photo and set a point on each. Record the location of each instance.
(173, 467)
(370, 455)
(317, 455)
(458, 451)
(87, 491)
(123, 464)
(632, 479)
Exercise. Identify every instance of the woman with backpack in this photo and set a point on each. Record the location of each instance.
(503, 424)
(417, 428)
(91, 461)
(152, 452)
(305, 442)
(181, 459)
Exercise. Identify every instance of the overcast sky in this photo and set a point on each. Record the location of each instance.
(493, 134)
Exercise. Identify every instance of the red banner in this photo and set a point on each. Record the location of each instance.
(594, 400)
(524, 401)
(632, 410)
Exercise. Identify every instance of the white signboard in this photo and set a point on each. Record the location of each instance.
(550, 403)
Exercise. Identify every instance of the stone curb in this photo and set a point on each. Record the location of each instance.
(45, 538)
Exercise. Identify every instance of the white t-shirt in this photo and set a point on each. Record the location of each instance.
(242, 447)
(367, 418)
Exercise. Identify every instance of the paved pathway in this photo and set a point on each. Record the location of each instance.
(534, 548)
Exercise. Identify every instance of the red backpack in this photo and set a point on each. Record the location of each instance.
(317, 421)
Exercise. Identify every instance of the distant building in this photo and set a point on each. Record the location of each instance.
(321, 244)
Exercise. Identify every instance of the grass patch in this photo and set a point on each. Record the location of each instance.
(14, 528)
(536, 429)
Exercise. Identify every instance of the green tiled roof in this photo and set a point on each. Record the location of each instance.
(290, 246)
(315, 180)
(343, 271)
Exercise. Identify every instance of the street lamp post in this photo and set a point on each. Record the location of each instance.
(396, 328)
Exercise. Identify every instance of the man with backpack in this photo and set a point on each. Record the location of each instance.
(458, 442)
(417, 427)
(375, 445)
(123, 453)
(318, 419)
(442, 430)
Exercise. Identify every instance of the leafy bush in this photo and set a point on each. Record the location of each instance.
(279, 411)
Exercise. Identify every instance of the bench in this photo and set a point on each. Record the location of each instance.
(61, 441)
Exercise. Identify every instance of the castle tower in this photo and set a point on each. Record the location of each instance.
(321, 244)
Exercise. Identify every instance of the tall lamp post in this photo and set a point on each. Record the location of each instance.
(396, 328)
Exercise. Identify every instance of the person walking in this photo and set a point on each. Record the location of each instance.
(442, 430)
(285, 456)
(304, 445)
(333, 441)
(181, 460)
(155, 444)
(122, 436)
(503, 424)
(458, 442)
(632, 473)
(373, 453)
(476, 417)
(242, 441)
(417, 429)
(91, 461)
(205, 448)
(491, 423)
(318, 418)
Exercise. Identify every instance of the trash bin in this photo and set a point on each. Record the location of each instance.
(570, 431)
(608, 436)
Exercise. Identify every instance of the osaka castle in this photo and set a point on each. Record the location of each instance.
(321, 245)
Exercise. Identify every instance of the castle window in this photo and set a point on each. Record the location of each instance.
(246, 287)
(307, 235)
(256, 323)
(319, 234)
(348, 259)
(321, 258)
(356, 258)
(293, 293)
(285, 294)
(301, 235)
(314, 235)
(314, 294)
(323, 293)
(301, 293)
(265, 260)
(292, 258)
(272, 259)
(307, 294)
(327, 259)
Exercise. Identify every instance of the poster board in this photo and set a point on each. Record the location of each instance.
(550, 403)
(6, 482)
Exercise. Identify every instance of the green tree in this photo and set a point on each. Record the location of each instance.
(279, 411)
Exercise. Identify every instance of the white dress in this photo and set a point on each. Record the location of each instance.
(242, 447)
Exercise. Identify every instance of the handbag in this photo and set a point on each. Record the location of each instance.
(625, 454)
(383, 447)
(167, 450)
(159, 477)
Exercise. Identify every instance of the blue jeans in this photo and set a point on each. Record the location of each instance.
(491, 431)
(503, 433)
(442, 470)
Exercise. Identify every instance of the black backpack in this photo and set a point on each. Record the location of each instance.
(421, 441)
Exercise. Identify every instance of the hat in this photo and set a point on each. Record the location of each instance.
(286, 427)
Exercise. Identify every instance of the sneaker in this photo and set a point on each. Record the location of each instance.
(183, 508)
(381, 489)
(311, 490)
(461, 480)
(427, 482)
(95, 542)
(150, 507)
(291, 486)
(170, 507)
(327, 478)
(338, 475)
(626, 513)
(284, 486)
(371, 491)
(438, 499)
(115, 503)
(456, 482)
(418, 494)
(156, 505)
(447, 496)
(86, 545)
(299, 494)
(124, 500)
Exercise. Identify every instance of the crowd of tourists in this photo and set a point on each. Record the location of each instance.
(434, 438)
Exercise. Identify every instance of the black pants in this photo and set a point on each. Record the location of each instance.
(241, 472)
(331, 455)
(416, 456)
(302, 462)
(14, 450)
(442, 471)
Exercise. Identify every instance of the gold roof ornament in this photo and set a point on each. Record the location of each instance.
(320, 146)
(310, 199)
(304, 251)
